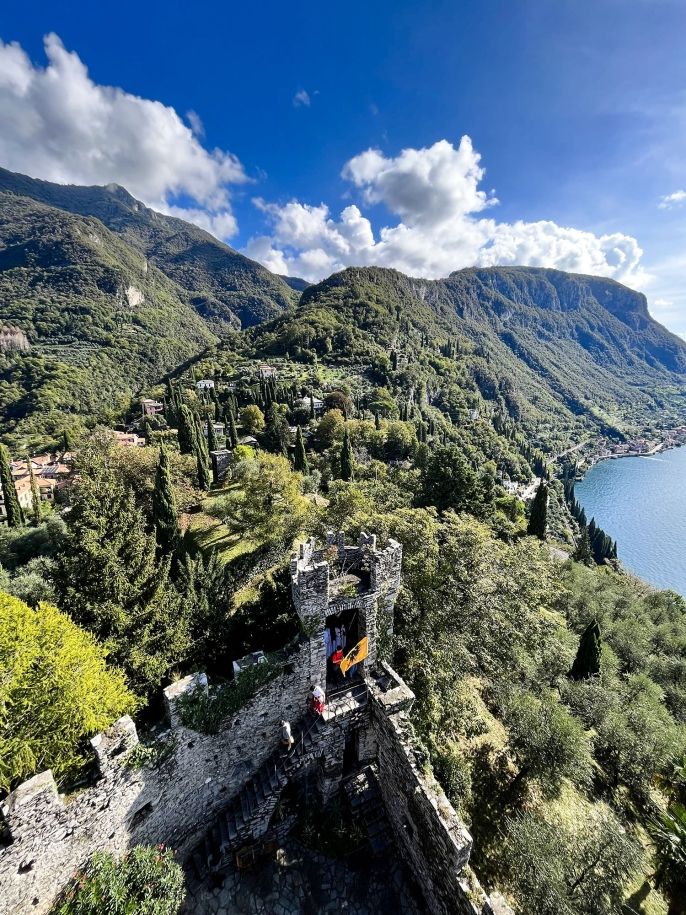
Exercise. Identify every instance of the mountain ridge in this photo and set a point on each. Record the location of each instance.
(228, 289)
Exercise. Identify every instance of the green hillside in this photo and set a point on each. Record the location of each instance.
(226, 288)
(556, 353)
(96, 319)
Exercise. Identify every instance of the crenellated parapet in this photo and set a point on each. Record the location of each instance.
(327, 581)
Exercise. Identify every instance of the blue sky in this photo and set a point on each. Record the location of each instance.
(574, 114)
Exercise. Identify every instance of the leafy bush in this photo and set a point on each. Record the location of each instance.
(55, 690)
(146, 881)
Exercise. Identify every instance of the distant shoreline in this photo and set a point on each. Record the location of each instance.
(668, 443)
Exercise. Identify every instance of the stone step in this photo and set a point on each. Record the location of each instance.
(200, 865)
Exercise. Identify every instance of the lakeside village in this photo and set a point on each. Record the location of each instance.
(47, 477)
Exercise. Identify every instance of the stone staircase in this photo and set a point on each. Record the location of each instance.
(366, 804)
(249, 813)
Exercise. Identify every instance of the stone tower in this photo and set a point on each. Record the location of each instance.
(328, 581)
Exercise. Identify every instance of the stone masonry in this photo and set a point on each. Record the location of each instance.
(208, 781)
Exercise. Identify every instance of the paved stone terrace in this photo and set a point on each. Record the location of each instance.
(301, 882)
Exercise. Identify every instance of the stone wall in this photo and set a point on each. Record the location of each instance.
(177, 802)
(51, 836)
(430, 835)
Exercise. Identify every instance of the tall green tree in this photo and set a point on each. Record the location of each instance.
(347, 460)
(449, 481)
(583, 553)
(300, 457)
(202, 455)
(186, 430)
(232, 434)
(35, 492)
(164, 510)
(277, 435)
(13, 510)
(538, 516)
(109, 577)
(212, 442)
(587, 661)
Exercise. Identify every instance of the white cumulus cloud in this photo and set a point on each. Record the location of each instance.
(672, 200)
(302, 99)
(57, 124)
(439, 223)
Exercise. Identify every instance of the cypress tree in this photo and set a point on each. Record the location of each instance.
(202, 455)
(232, 434)
(539, 512)
(377, 421)
(66, 441)
(346, 457)
(186, 430)
(300, 457)
(147, 432)
(171, 410)
(35, 493)
(164, 506)
(311, 406)
(212, 443)
(582, 553)
(587, 661)
(13, 510)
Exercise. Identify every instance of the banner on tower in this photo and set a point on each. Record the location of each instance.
(359, 653)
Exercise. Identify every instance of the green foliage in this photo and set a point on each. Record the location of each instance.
(578, 868)
(538, 515)
(164, 511)
(668, 831)
(550, 744)
(205, 713)
(13, 510)
(212, 442)
(151, 755)
(186, 430)
(252, 419)
(267, 502)
(145, 881)
(56, 690)
(206, 588)
(587, 661)
(277, 437)
(202, 455)
(347, 459)
(449, 481)
(300, 456)
(109, 577)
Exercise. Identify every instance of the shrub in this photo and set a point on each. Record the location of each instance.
(146, 881)
(55, 690)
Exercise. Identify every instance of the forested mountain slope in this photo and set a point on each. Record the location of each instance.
(87, 319)
(226, 288)
(548, 349)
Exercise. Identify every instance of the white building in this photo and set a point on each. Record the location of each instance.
(205, 384)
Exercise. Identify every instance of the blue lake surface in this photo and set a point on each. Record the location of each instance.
(641, 503)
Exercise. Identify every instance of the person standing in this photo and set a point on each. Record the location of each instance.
(286, 736)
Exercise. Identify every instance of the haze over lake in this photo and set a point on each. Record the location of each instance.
(641, 503)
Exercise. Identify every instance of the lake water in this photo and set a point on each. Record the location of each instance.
(641, 503)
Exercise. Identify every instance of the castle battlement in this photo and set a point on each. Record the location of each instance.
(338, 578)
(206, 794)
